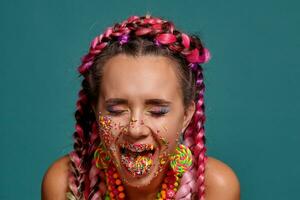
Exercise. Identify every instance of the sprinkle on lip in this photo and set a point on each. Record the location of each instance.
(137, 158)
(137, 166)
(138, 147)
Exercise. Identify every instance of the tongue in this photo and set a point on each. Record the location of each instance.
(137, 163)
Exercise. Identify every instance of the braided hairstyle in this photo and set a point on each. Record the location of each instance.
(136, 36)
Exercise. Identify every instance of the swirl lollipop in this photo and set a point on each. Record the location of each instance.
(181, 160)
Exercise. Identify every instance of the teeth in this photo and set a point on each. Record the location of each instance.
(137, 148)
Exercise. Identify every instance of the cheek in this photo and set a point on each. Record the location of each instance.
(168, 136)
(172, 129)
(107, 138)
(109, 130)
(167, 129)
(171, 140)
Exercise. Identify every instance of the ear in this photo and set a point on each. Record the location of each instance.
(188, 114)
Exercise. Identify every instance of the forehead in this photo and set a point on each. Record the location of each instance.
(146, 76)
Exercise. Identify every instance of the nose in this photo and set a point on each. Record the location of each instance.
(136, 128)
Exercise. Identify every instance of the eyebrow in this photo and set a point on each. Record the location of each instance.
(115, 101)
(157, 102)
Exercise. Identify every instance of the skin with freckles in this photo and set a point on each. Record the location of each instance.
(141, 97)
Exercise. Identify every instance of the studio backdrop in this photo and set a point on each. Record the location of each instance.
(252, 85)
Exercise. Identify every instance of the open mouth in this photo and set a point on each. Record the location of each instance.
(137, 158)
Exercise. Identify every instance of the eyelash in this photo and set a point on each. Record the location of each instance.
(114, 112)
(157, 113)
(160, 112)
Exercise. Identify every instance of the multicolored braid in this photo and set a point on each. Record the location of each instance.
(86, 182)
(96, 188)
(81, 156)
(162, 32)
(194, 138)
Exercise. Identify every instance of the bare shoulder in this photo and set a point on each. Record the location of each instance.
(55, 181)
(221, 181)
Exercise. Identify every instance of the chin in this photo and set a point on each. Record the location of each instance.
(141, 181)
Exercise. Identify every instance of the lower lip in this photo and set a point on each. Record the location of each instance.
(132, 173)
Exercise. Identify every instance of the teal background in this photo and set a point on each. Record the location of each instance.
(252, 85)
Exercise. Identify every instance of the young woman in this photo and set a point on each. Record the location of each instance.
(140, 121)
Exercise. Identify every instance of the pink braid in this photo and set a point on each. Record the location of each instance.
(195, 140)
(97, 188)
(79, 157)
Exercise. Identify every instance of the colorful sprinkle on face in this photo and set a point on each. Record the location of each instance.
(137, 159)
(164, 141)
(104, 122)
(163, 155)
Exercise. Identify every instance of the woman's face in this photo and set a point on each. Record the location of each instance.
(141, 115)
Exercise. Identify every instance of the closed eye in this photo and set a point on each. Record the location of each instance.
(159, 111)
(114, 111)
